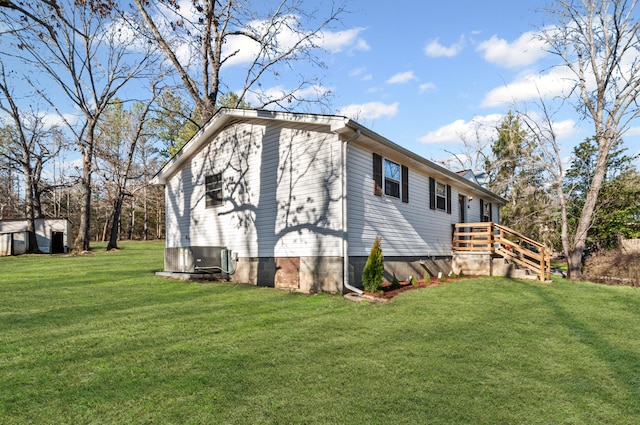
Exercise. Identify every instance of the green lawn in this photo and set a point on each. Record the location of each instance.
(99, 339)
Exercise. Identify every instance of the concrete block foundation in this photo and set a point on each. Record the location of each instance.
(472, 263)
(320, 274)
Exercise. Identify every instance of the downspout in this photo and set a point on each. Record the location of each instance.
(345, 241)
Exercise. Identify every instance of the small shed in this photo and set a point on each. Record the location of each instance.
(53, 236)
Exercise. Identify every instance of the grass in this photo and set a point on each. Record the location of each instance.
(100, 339)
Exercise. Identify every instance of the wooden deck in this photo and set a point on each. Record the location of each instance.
(499, 240)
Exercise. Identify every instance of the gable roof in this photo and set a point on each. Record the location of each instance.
(343, 126)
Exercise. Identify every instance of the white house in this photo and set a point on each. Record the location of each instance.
(296, 201)
(52, 234)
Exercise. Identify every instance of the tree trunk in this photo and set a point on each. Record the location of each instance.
(575, 255)
(107, 219)
(158, 221)
(574, 263)
(145, 226)
(115, 223)
(81, 242)
(32, 246)
(132, 220)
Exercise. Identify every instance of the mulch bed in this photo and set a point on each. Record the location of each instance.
(388, 290)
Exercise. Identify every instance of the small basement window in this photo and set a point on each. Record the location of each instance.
(213, 190)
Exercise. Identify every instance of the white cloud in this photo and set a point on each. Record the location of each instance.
(124, 34)
(632, 131)
(565, 129)
(483, 127)
(53, 119)
(369, 111)
(242, 50)
(402, 77)
(434, 49)
(335, 42)
(358, 71)
(530, 87)
(524, 51)
(427, 87)
(257, 99)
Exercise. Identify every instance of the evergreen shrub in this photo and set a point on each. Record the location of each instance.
(373, 273)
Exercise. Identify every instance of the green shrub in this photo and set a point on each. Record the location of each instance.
(414, 281)
(426, 277)
(373, 272)
(395, 283)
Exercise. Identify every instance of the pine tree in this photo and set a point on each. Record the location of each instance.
(373, 272)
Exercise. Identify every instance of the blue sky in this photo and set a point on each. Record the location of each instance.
(428, 74)
(421, 73)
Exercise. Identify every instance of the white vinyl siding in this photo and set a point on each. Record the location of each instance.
(406, 229)
(280, 188)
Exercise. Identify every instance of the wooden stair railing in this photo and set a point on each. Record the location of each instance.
(506, 242)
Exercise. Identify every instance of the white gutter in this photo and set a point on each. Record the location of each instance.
(345, 234)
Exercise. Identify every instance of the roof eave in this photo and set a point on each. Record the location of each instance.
(439, 170)
(221, 120)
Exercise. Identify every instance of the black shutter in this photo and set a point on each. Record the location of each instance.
(405, 184)
(448, 199)
(377, 174)
(432, 193)
(481, 210)
(490, 213)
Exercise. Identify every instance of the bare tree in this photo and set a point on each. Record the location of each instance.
(474, 153)
(89, 59)
(122, 131)
(547, 155)
(274, 41)
(597, 40)
(9, 202)
(21, 9)
(27, 145)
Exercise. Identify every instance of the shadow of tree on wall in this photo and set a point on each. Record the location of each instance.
(292, 193)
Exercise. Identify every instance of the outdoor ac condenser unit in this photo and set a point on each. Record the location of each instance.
(186, 260)
(227, 261)
(213, 260)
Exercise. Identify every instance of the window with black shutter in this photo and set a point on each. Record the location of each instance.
(390, 178)
(439, 196)
(377, 174)
(432, 193)
(405, 184)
